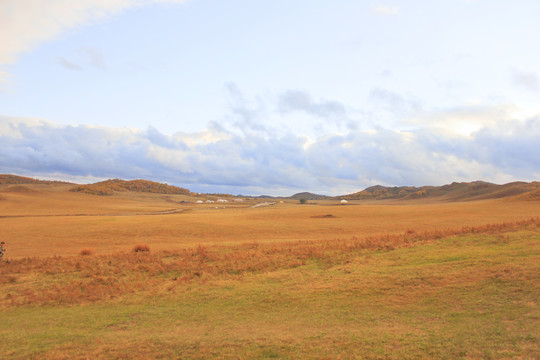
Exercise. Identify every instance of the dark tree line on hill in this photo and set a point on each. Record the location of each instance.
(108, 187)
(21, 180)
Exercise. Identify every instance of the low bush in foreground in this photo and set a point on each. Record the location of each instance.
(86, 252)
(141, 248)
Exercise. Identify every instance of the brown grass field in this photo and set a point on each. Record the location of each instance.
(88, 277)
(40, 220)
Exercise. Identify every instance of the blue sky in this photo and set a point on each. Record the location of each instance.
(270, 97)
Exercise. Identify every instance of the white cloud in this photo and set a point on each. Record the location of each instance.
(526, 80)
(93, 56)
(65, 63)
(464, 120)
(295, 100)
(246, 114)
(219, 160)
(395, 103)
(385, 10)
(25, 24)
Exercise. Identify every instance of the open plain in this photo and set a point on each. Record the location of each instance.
(47, 220)
(369, 279)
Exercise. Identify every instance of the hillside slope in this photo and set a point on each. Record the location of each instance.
(6, 179)
(108, 187)
(464, 191)
(308, 196)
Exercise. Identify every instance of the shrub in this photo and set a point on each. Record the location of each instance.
(202, 251)
(86, 252)
(141, 248)
(303, 201)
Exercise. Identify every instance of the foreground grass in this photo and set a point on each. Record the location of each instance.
(470, 295)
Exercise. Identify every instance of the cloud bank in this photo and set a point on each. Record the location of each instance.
(219, 160)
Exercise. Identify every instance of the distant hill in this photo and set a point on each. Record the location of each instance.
(20, 180)
(379, 192)
(476, 190)
(308, 196)
(108, 187)
(462, 191)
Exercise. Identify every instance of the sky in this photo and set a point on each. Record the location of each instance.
(271, 97)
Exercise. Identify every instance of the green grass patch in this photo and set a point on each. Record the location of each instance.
(459, 298)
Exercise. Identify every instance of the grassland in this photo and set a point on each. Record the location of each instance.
(49, 221)
(375, 281)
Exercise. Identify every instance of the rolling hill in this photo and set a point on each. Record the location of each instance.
(108, 187)
(456, 191)
(6, 179)
(463, 191)
(308, 196)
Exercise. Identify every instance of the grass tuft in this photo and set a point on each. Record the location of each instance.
(86, 252)
(141, 248)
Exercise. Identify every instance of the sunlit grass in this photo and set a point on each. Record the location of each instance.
(88, 221)
(469, 295)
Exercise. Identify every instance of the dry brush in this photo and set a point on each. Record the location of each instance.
(81, 279)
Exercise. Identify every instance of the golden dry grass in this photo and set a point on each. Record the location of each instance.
(49, 220)
(67, 280)
(367, 280)
(467, 293)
